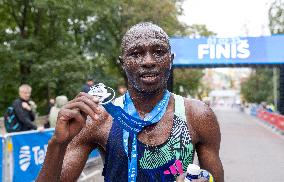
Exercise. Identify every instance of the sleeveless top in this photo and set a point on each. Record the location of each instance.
(155, 163)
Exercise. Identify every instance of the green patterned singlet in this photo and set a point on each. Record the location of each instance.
(177, 147)
(155, 163)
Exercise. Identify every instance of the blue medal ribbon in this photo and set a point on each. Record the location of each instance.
(129, 119)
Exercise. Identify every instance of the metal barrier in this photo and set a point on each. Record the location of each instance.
(24, 153)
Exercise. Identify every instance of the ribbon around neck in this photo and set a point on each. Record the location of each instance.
(129, 119)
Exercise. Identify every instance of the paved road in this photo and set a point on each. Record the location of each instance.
(249, 151)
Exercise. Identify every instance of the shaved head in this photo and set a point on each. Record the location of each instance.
(146, 58)
(142, 31)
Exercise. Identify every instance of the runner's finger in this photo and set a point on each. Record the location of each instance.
(94, 98)
(83, 107)
(93, 105)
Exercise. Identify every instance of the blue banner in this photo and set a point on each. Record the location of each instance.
(221, 51)
(28, 153)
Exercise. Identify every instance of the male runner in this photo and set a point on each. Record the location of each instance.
(160, 151)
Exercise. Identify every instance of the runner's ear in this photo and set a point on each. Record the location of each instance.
(120, 60)
(172, 57)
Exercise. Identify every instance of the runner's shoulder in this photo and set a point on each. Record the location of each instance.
(201, 116)
(197, 107)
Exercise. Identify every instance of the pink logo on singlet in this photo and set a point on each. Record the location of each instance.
(176, 168)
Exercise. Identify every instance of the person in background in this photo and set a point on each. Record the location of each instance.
(87, 86)
(60, 101)
(270, 108)
(25, 109)
(50, 105)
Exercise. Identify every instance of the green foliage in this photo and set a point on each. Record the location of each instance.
(258, 87)
(276, 17)
(54, 45)
(197, 30)
(187, 81)
(41, 47)
(115, 17)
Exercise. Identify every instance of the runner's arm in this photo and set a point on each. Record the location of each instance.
(207, 136)
(71, 124)
(209, 145)
(65, 163)
(54, 159)
(75, 159)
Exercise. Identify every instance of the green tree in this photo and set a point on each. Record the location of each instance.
(276, 17)
(54, 45)
(259, 86)
(188, 81)
(115, 17)
(43, 47)
(276, 21)
(199, 30)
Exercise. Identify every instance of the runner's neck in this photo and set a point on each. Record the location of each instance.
(145, 102)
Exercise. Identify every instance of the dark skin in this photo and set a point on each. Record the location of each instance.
(146, 62)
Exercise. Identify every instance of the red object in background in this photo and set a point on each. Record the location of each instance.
(259, 114)
(274, 119)
(280, 122)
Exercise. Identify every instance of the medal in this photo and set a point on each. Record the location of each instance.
(103, 93)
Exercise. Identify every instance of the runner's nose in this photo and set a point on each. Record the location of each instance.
(148, 60)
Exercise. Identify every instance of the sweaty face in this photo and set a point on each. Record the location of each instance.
(146, 61)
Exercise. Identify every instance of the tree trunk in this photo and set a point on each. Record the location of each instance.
(24, 72)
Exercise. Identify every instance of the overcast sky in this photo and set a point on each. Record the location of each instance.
(229, 18)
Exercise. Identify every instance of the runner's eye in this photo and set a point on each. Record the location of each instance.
(159, 52)
(135, 54)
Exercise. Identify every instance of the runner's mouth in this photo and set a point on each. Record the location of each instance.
(149, 77)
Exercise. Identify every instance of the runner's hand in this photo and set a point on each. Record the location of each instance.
(72, 117)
